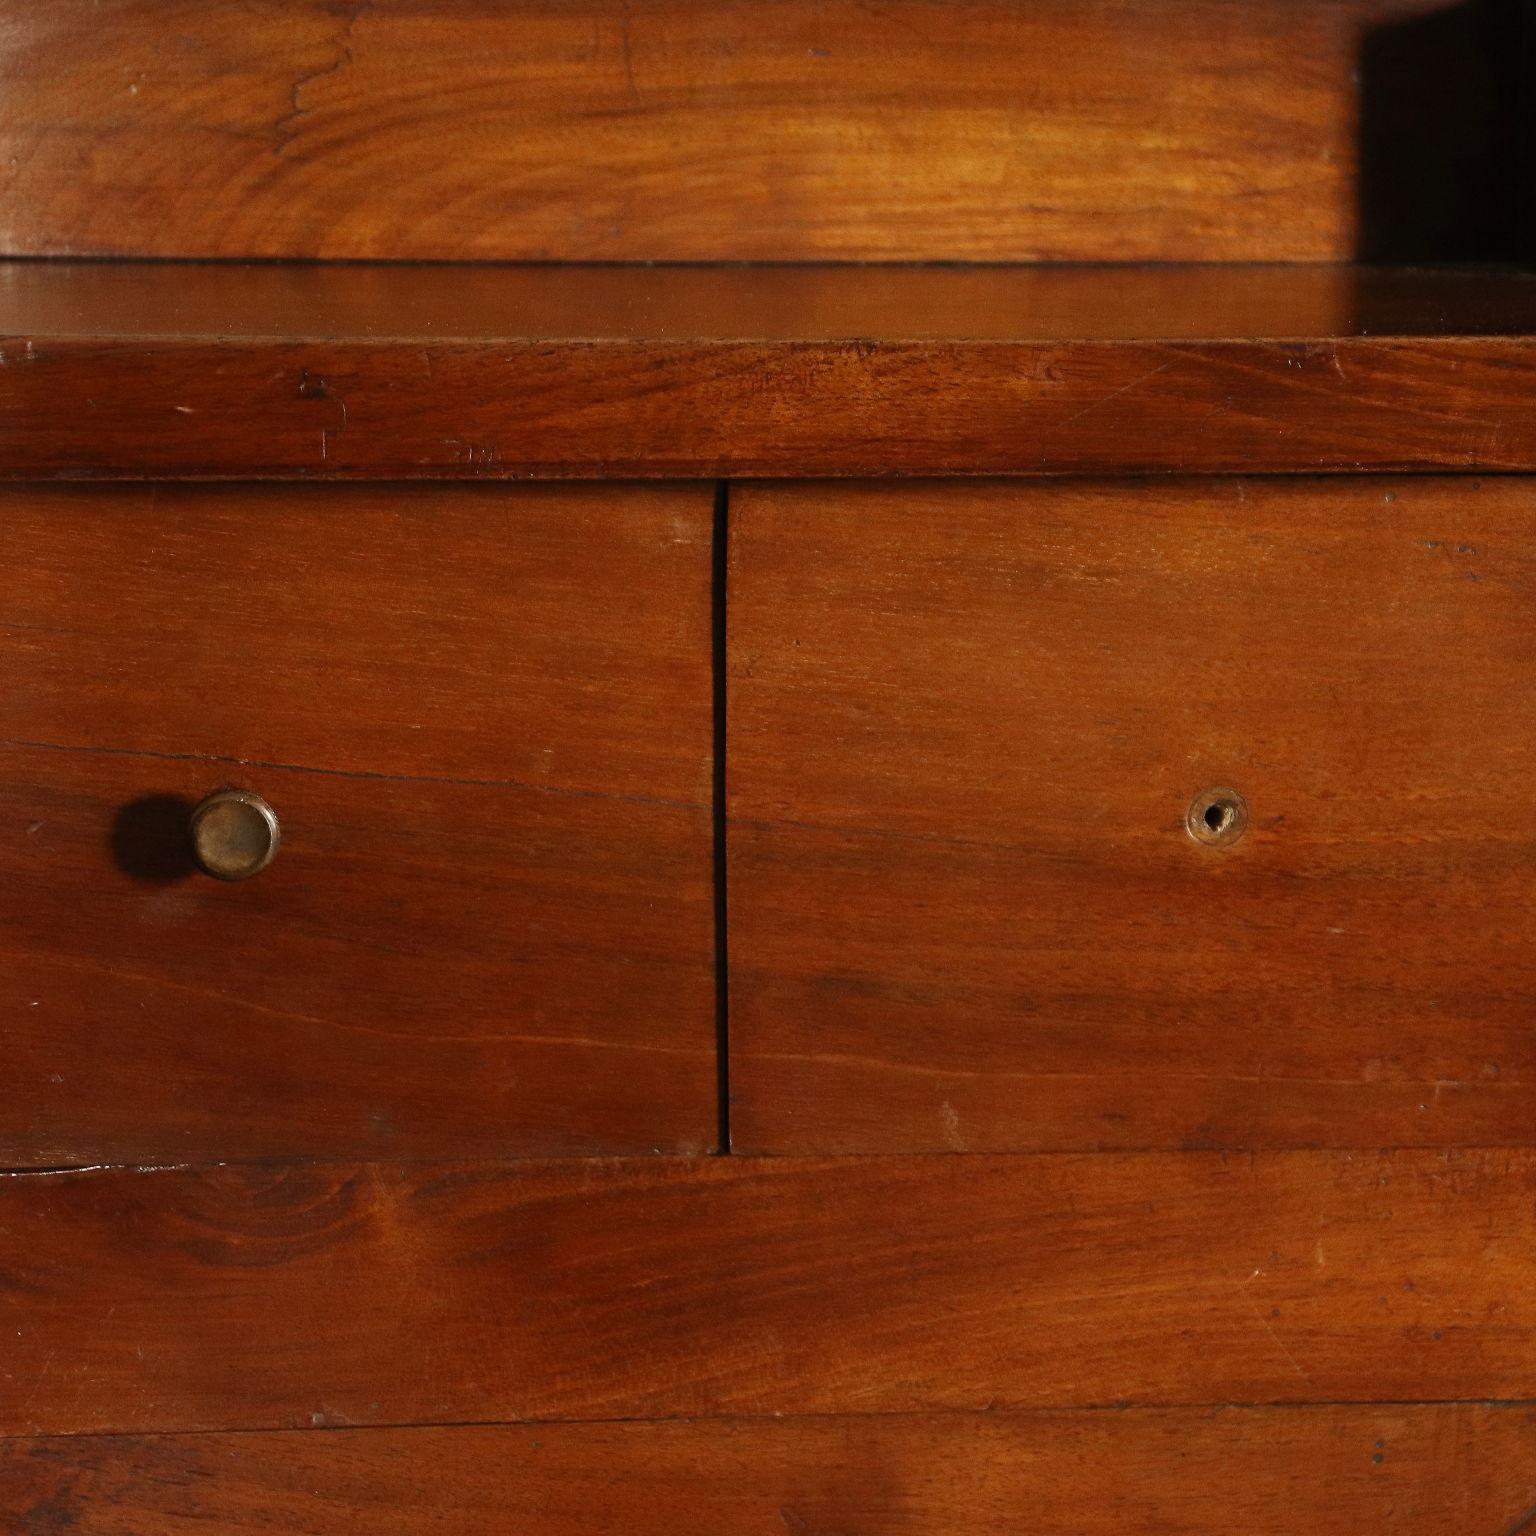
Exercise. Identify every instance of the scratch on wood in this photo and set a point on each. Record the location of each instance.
(568, 791)
(1269, 1327)
(1124, 389)
(66, 1169)
(954, 1135)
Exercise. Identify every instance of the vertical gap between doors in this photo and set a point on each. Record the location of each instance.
(719, 558)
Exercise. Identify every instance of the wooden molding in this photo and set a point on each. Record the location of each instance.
(205, 371)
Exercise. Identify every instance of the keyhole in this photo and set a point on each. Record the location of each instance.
(1218, 817)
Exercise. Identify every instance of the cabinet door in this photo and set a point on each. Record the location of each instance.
(1072, 815)
(481, 718)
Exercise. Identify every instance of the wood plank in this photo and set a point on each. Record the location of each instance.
(202, 371)
(1393, 1471)
(482, 716)
(674, 130)
(966, 725)
(353, 1295)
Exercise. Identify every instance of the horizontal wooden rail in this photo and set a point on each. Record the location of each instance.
(206, 371)
(383, 1294)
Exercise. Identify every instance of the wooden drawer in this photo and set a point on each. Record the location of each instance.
(968, 722)
(482, 716)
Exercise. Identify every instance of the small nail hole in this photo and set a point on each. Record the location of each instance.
(1217, 817)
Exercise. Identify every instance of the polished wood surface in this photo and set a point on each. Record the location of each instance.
(365, 372)
(553, 635)
(482, 717)
(1394, 1470)
(440, 303)
(353, 1295)
(1127, 860)
(1213, 130)
(966, 724)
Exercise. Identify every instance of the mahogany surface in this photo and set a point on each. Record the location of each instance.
(1391, 1470)
(1061, 130)
(482, 715)
(210, 372)
(328, 1296)
(847, 814)
(966, 722)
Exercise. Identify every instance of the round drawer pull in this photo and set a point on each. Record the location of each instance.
(234, 834)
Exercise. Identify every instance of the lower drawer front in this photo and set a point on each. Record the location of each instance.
(1268, 1471)
(1073, 815)
(481, 717)
(164, 1300)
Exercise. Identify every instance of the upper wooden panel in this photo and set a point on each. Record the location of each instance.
(775, 129)
(966, 724)
(658, 1287)
(482, 715)
(200, 370)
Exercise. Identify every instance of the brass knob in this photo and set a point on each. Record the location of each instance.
(234, 834)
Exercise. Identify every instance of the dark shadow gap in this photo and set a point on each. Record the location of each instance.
(1443, 140)
(719, 562)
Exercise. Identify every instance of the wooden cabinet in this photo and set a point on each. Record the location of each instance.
(886, 645)
(482, 718)
(973, 904)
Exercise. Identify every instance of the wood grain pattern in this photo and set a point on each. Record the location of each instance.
(1392, 1471)
(271, 410)
(482, 716)
(683, 130)
(143, 370)
(554, 635)
(966, 723)
(299, 1297)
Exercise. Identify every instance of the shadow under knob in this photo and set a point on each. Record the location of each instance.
(234, 834)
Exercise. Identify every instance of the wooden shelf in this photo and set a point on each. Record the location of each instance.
(286, 371)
